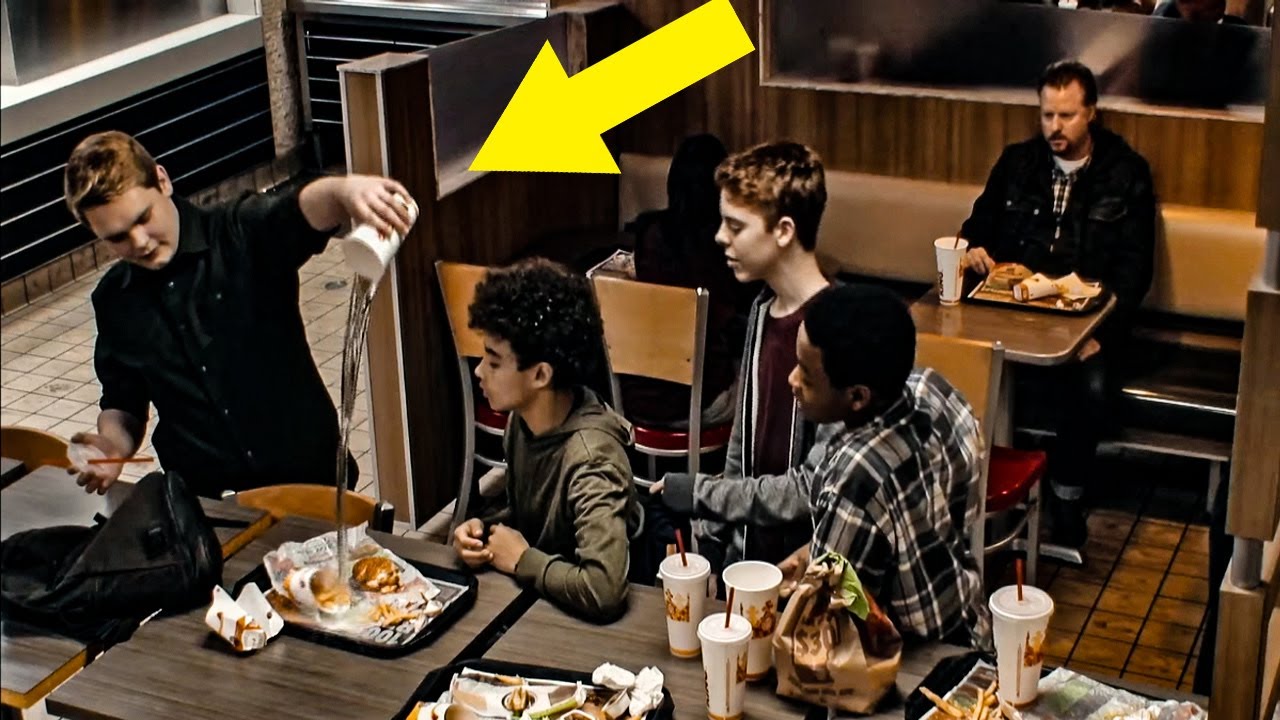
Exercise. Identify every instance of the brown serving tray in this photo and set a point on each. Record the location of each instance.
(981, 294)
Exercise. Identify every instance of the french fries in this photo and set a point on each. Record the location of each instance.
(988, 706)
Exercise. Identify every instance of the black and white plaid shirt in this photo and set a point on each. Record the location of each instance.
(1062, 184)
(894, 497)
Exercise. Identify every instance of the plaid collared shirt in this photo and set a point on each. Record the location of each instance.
(895, 496)
(1062, 184)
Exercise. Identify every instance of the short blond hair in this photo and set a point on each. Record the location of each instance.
(782, 179)
(103, 167)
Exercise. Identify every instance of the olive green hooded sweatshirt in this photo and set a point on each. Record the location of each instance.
(570, 493)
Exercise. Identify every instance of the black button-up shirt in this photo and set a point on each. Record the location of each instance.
(215, 340)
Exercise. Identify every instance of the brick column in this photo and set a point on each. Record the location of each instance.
(279, 38)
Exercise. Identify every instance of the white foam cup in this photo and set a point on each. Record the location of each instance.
(755, 596)
(367, 253)
(724, 664)
(685, 590)
(950, 252)
(1020, 628)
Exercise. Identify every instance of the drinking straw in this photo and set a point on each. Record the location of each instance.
(680, 544)
(728, 609)
(120, 461)
(956, 245)
(1017, 571)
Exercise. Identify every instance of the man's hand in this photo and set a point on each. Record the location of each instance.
(371, 199)
(97, 478)
(1090, 348)
(507, 546)
(979, 261)
(330, 201)
(468, 540)
(793, 569)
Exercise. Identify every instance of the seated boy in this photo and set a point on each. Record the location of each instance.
(571, 504)
(771, 202)
(890, 481)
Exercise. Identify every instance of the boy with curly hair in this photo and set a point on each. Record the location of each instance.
(571, 504)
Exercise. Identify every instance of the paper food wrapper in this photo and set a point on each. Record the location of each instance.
(247, 622)
(484, 696)
(1070, 287)
(306, 590)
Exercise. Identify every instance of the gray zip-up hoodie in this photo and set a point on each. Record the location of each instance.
(570, 493)
(725, 507)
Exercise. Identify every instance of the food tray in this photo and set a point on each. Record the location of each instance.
(436, 683)
(949, 673)
(457, 594)
(981, 294)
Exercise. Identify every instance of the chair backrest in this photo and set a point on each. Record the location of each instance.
(652, 331)
(33, 447)
(974, 368)
(318, 502)
(458, 286)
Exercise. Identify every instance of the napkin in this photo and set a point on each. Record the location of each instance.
(247, 622)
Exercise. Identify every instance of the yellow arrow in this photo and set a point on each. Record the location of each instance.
(554, 122)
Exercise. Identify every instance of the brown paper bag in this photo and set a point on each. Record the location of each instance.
(825, 655)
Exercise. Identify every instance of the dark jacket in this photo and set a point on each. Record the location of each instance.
(1108, 227)
(570, 494)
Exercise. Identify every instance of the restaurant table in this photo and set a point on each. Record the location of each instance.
(34, 661)
(1033, 337)
(175, 667)
(639, 639)
(10, 470)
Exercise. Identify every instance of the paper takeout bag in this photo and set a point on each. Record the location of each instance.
(825, 654)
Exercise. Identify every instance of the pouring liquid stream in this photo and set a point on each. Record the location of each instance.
(357, 330)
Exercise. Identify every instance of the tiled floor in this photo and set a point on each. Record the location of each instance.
(1136, 609)
(46, 359)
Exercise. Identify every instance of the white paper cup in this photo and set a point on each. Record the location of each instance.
(367, 253)
(724, 664)
(685, 591)
(755, 596)
(950, 267)
(1020, 628)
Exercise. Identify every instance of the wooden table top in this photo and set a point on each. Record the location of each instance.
(1029, 336)
(175, 667)
(639, 639)
(35, 661)
(10, 470)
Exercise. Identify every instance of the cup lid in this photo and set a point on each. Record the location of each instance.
(712, 628)
(1035, 602)
(672, 567)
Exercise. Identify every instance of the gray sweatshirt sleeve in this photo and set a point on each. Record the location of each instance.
(765, 500)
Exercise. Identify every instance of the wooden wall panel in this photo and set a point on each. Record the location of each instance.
(1269, 195)
(1196, 161)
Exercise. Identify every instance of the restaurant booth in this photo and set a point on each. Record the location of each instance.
(908, 116)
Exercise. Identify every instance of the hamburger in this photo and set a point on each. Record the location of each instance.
(1005, 275)
(376, 574)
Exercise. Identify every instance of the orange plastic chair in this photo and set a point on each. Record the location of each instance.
(318, 502)
(33, 448)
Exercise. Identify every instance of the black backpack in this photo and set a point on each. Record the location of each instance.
(97, 584)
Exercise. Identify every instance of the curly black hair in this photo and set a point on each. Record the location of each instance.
(547, 313)
(866, 336)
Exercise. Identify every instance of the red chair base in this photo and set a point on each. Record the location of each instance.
(1011, 476)
(677, 441)
(488, 417)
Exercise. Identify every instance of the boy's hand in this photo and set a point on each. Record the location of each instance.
(506, 547)
(657, 488)
(793, 569)
(468, 540)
